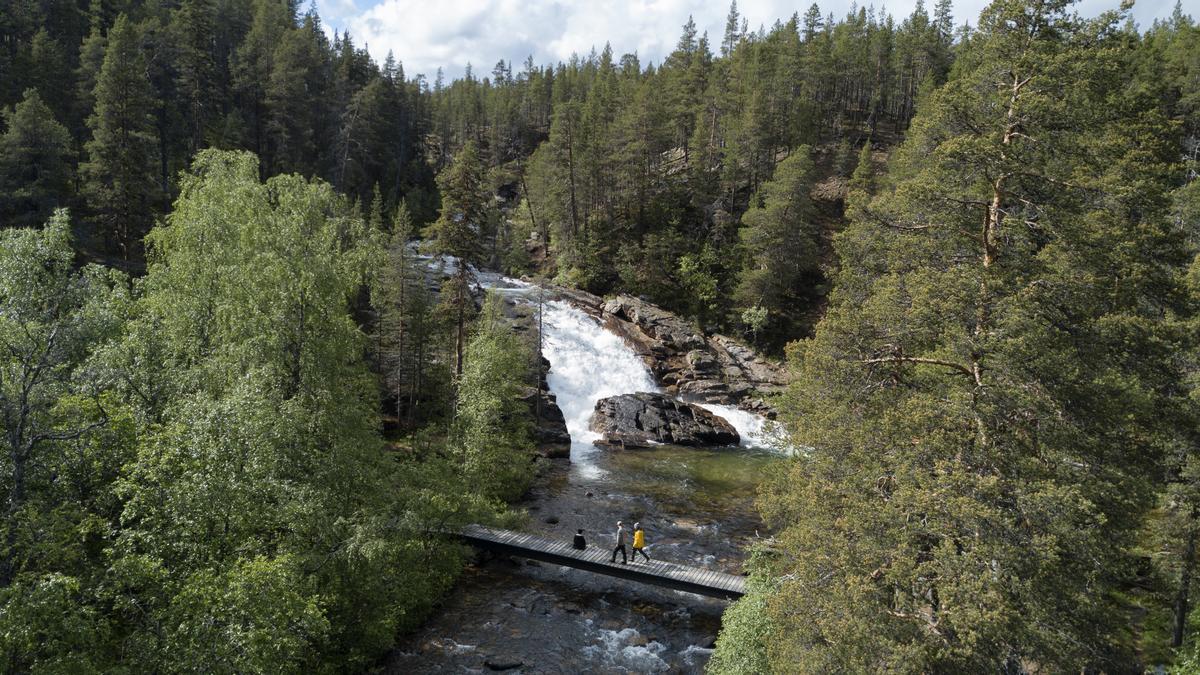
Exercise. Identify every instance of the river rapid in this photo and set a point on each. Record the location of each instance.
(696, 505)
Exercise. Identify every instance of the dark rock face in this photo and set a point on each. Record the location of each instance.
(640, 420)
(550, 427)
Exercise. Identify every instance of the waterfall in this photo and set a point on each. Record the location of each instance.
(587, 363)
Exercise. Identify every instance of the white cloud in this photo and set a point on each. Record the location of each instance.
(449, 34)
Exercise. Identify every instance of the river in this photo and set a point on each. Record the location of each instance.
(696, 505)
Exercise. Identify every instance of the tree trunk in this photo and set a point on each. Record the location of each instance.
(460, 332)
(571, 176)
(1185, 585)
(537, 405)
(544, 236)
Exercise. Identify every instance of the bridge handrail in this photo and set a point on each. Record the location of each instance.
(656, 572)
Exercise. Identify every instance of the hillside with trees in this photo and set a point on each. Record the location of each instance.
(234, 408)
(606, 160)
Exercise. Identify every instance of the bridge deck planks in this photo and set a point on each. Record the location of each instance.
(656, 572)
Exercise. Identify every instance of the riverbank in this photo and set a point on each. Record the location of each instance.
(697, 509)
(696, 504)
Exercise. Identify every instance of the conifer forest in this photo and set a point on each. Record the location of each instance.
(279, 318)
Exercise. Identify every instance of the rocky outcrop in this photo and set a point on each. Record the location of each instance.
(644, 419)
(549, 425)
(716, 369)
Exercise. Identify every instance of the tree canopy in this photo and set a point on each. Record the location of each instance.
(226, 446)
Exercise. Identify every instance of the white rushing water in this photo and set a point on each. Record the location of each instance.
(755, 430)
(587, 363)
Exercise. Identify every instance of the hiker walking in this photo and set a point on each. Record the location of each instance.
(620, 544)
(580, 543)
(639, 542)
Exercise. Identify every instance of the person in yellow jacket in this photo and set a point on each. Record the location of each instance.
(639, 542)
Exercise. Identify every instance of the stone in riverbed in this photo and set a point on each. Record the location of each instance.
(644, 419)
(501, 663)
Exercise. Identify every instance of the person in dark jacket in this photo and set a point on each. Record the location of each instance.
(579, 542)
(620, 544)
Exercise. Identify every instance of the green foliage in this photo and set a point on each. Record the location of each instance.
(251, 618)
(64, 441)
(745, 635)
(119, 175)
(755, 320)
(983, 400)
(266, 458)
(699, 274)
(35, 163)
(48, 625)
(194, 478)
(780, 239)
(492, 426)
(650, 268)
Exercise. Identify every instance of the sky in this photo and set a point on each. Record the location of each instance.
(425, 35)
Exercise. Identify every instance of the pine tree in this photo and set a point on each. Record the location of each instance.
(1173, 534)
(732, 30)
(253, 64)
(863, 178)
(686, 68)
(459, 232)
(192, 27)
(51, 74)
(299, 103)
(1181, 496)
(812, 22)
(780, 238)
(119, 176)
(407, 327)
(91, 60)
(35, 163)
(982, 398)
(375, 144)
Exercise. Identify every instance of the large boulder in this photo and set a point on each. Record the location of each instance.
(644, 419)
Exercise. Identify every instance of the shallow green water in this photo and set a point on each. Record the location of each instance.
(698, 482)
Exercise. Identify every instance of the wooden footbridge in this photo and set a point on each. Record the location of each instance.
(656, 572)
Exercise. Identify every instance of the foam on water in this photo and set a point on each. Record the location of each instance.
(749, 426)
(696, 655)
(587, 363)
(756, 431)
(615, 652)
